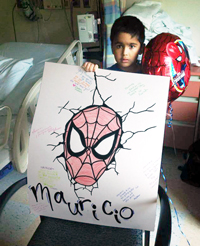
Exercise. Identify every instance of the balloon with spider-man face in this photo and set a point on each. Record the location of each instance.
(167, 55)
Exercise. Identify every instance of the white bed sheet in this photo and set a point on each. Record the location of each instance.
(40, 53)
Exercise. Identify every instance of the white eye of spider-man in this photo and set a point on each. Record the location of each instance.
(90, 141)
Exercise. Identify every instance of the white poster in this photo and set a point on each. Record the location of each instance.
(95, 146)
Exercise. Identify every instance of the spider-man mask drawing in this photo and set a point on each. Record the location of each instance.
(85, 138)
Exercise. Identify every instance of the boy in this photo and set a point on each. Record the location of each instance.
(127, 41)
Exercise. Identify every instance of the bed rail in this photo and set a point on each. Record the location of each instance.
(7, 126)
(27, 110)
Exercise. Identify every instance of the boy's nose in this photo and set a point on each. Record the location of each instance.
(125, 51)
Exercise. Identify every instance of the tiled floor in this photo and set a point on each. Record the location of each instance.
(18, 225)
(186, 200)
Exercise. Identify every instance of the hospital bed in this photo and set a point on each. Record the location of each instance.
(18, 106)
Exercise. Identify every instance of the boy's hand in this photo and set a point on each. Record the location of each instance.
(90, 67)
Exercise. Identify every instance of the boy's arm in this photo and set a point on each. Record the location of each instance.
(90, 67)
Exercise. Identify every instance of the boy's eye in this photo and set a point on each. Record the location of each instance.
(131, 46)
(118, 46)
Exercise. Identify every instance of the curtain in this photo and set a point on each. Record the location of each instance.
(112, 11)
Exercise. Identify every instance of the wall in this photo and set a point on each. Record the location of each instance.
(185, 12)
(56, 29)
(53, 28)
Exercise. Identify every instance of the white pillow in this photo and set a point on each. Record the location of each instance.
(11, 72)
(144, 11)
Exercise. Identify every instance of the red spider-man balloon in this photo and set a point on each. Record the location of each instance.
(167, 55)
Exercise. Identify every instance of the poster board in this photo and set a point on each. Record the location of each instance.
(96, 145)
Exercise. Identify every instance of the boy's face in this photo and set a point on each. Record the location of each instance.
(126, 50)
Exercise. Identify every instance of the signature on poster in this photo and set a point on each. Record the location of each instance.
(78, 208)
(43, 130)
(81, 81)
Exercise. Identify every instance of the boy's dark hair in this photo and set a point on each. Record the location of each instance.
(128, 24)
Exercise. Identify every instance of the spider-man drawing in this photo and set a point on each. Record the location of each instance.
(85, 138)
(91, 139)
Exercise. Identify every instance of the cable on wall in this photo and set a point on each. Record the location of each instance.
(49, 16)
(67, 20)
(38, 31)
(72, 21)
(13, 21)
(14, 28)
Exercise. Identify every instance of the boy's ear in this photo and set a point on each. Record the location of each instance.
(142, 49)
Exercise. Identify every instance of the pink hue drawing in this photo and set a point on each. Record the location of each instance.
(85, 138)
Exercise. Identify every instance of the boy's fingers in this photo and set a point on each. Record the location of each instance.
(83, 66)
(95, 67)
(90, 67)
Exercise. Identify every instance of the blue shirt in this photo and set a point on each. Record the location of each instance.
(116, 68)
